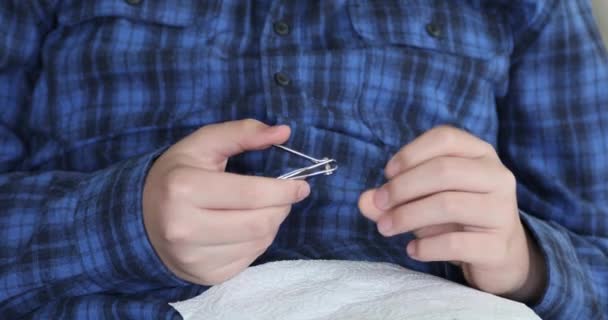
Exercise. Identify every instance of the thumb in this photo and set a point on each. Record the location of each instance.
(218, 142)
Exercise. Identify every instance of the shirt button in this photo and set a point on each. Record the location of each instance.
(281, 79)
(433, 30)
(133, 2)
(281, 28)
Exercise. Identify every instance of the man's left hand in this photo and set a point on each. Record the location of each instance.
(452, 191)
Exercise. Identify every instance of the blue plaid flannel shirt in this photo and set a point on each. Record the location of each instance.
(92, 91)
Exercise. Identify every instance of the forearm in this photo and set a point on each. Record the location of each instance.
(534, 286)
(552, 138)
(73, 234)
(577, 282)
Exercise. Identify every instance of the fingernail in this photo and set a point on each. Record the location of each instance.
(381, 198)
(385, 225)
(411, 249)
(392, 167)
(303, 190)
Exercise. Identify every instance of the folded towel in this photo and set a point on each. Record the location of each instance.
(320, 290)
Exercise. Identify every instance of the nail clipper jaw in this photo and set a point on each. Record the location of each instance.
(323, 166)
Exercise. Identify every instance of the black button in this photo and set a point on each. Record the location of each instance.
(433, 30)
(281, 28)
(133, 2)
(281, 79)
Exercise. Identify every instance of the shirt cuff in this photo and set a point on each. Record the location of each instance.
(114, 246)
(564, 294)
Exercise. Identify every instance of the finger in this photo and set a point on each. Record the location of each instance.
(436, 230)
(367, 207)
(231, 191)
(467, 247)
(439, 142)
(230, 226)
(438, 175)
(213, 257)
(221, 190)
(195, 227)
(469, 209)
(217, 142)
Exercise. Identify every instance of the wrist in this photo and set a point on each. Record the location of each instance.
(536, 280)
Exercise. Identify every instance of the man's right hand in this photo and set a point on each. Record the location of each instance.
(208, 225)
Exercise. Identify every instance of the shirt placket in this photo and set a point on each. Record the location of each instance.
(278, 69)
(276, 73)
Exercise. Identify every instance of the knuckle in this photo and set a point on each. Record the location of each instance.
(177, 183)
(446, 135)
(398, 217)
(488, 147)
(403, 223)
(509, 178)
(392, 189)
(175, 232)
(403, 159)
(505, 179)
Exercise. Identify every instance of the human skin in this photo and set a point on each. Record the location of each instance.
(205, 224)
(452, 191)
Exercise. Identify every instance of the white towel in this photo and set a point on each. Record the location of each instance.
(320, 290)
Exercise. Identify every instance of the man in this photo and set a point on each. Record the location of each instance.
(471, 138)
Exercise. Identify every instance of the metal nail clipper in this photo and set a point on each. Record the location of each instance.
(323, 166)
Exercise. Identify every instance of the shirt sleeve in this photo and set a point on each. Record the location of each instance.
(554, 137)
(62, 234)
